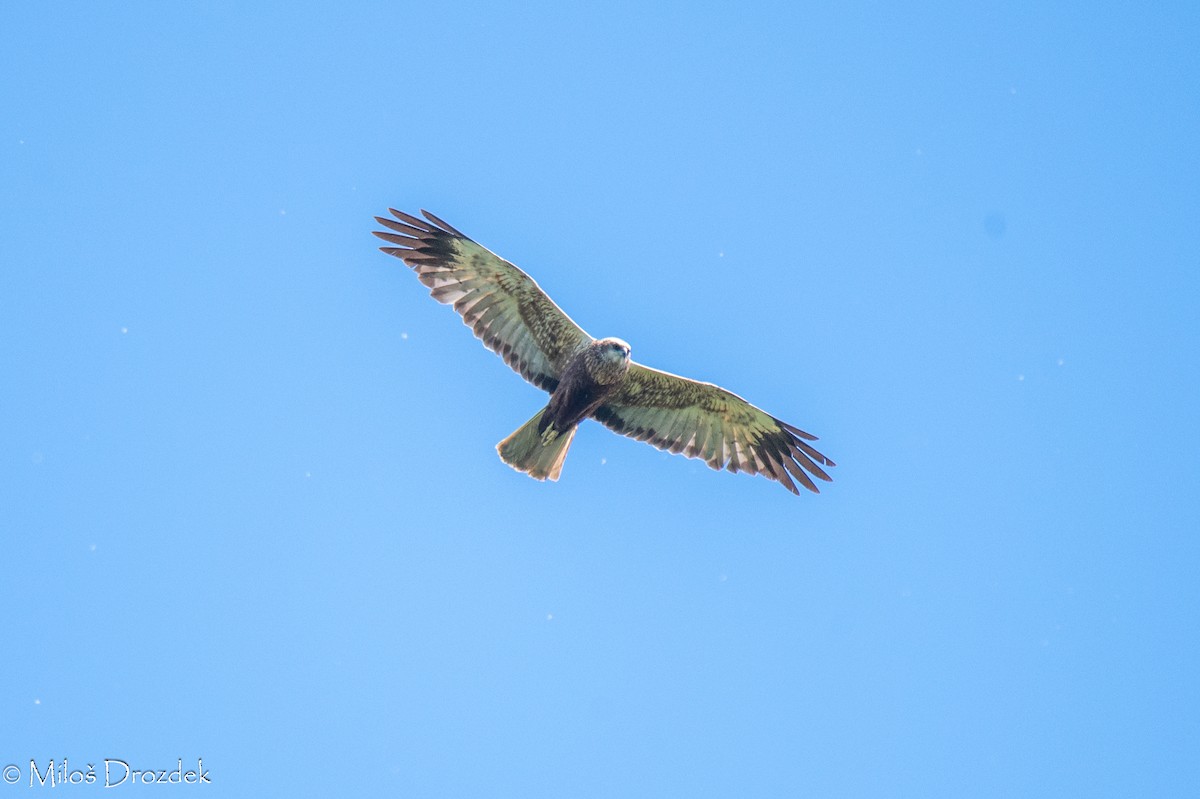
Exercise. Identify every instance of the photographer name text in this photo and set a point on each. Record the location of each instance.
(112, 773)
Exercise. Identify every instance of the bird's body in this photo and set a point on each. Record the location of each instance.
(591, 378)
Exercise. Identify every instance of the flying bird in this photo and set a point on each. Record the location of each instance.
(590, 378)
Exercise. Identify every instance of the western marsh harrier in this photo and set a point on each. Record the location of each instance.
(587, 377)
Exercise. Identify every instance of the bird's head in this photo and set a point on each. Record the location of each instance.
(611, 360)
(615, 348)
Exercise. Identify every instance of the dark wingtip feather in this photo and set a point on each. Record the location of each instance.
(400, 227)
(796, 431)
(395, 238)
(441, 224)
(779, 472)
(419, 224)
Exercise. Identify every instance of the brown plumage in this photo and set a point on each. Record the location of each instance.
(590, 378)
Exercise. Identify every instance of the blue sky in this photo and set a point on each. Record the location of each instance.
(250, 504)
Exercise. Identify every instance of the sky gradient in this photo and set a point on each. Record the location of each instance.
(250, 506)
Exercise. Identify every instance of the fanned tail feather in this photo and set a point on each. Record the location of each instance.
(525, 451)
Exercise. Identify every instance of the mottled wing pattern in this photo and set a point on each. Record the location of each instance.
(706, 421)
(502, 304)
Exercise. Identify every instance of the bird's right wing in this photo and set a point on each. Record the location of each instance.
(508, 311)
(706, 421)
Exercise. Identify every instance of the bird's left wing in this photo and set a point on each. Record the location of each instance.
(508, 311)
(706, 421)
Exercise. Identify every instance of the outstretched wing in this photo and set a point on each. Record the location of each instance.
(706, 421)
(506, 309)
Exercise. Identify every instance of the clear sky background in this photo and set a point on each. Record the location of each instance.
(251, 511)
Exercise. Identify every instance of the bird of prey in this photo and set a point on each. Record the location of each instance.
(590, 378)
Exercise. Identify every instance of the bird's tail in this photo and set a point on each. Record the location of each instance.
(538, 454)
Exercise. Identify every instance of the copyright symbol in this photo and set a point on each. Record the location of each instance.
(12, 774)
